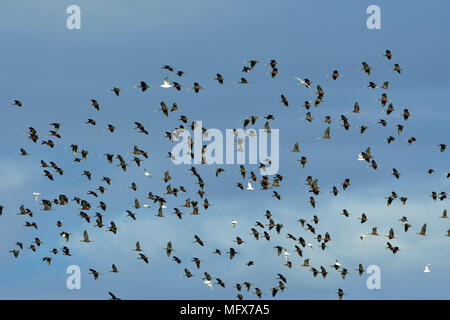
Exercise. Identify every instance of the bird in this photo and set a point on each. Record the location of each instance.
(114, 269)
(356, 108)
(113, 296)
(243, 81)
(442, 147)
(143, 86)
(128, 182)
(94, 273)
(177, 86)
(335, 74)
(397, 68)
(366, 68)
(219, 78)
(208, 283)
(167, 67)
(166, 83)
(95, 104)
(17, 103)
(307, 83)
(138, 247)
(197, 87)
(340, 293)
(395, 173)
(198, 240)
(423, 230)
(252, 63)
(143, 258)
(296, 149)
(388, 54)
(169, 248)
(326, 134)
(258, 293)
(116, 91)
(85, 237)
(284, 100)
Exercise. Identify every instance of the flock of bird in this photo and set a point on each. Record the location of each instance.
(267, 230)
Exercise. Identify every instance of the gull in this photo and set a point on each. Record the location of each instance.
(147, 174)
(36, 195)
(365, 155)
(166, 83)
(427, 268)
(305, 82)
(286, 254)
(310, 245)
(208, 283)
(234, 223)
(249, 185)
(337, 265)
(361, 237)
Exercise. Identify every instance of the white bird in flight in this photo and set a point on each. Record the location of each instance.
(301, 81)
(208, 283)
(147, 173)
(234, 223)
(286, 254)
(166, 83)
(249, 185)
(36, 195)
(427, 268)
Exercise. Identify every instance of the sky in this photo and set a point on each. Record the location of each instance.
(55, 72)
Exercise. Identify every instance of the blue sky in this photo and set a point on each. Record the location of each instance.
(55, 72)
